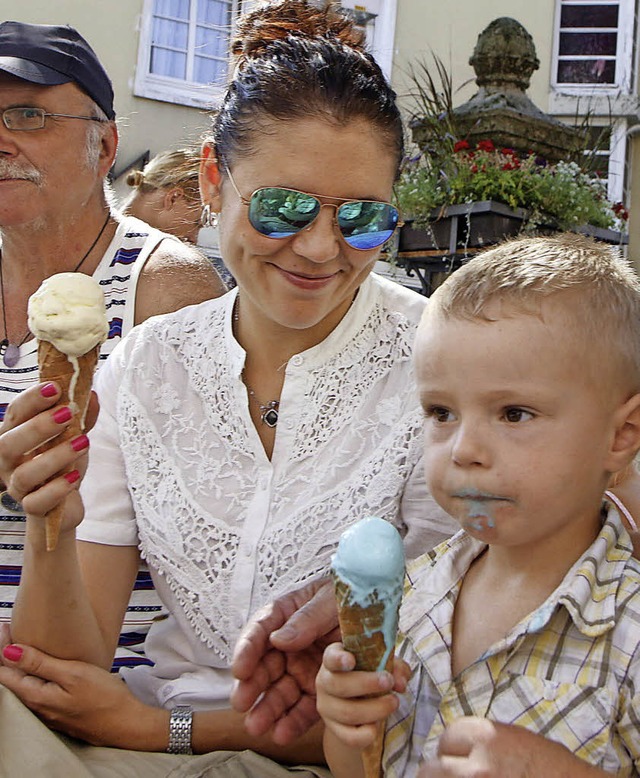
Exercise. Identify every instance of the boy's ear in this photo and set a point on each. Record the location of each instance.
(210, 179)
(626, 439)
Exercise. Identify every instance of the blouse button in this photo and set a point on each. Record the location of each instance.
(297, 360)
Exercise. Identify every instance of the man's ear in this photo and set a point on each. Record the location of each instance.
(209, 179)
(108, 147)
(626, 438)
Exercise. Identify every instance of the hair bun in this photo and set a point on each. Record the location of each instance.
(135, 178)
(276, 21)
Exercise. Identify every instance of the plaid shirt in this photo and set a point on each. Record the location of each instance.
(567, 671)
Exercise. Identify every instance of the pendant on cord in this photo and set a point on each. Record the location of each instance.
(269, 415)
(10, 353)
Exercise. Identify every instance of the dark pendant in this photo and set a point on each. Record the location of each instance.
(9, 503)
(10, 353)
(270, 413)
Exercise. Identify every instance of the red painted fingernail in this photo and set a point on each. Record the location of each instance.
(48, 390)
(62, 415)
(79, 443)
(72, 477)
(12, 653)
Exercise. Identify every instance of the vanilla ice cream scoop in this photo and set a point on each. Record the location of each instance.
(68, 311)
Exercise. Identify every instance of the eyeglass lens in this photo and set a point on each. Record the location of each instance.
(281, 213)
(23, 118)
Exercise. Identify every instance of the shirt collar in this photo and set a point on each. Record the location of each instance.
(588, 590)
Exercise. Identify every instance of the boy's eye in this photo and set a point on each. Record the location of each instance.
(515, 415)
(438, 413)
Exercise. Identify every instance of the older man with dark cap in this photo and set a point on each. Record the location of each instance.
(58, 140)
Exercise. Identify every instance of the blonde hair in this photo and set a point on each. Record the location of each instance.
(168, 169)
(521, 273)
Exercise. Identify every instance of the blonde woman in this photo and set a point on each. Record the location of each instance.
(165, 194)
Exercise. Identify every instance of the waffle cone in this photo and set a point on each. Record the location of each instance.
(363, 636)
(56, 366)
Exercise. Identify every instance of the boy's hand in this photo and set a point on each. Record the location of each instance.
(471, 747)
(351, 702)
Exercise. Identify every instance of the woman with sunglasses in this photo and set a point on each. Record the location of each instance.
(237, 439)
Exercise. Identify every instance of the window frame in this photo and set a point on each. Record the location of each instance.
(624, 70)
(166, 88)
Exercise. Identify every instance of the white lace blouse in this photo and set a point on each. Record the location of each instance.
(223, 528)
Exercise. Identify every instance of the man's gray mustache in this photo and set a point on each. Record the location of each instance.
(12, 170)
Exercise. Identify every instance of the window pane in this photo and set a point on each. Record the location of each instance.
(589, 16)
(168, 63)
(212, 43)
(209, 71)
(588, 43)
(590, 71)
(170, 34)
(214, 12)
(176, 8)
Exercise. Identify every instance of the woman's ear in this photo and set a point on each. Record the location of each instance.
(209, 179)
(626, 438)
(171, 197)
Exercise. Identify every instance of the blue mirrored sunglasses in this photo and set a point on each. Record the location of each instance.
(278, 212)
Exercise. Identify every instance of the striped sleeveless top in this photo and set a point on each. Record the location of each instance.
(117, 274)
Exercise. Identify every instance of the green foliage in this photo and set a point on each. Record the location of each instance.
(560, 195)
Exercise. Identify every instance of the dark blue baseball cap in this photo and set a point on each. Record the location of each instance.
(52, 54)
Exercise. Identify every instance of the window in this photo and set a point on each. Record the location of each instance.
(378, 20)
(183, 52)
(184, 45)
(594, 45)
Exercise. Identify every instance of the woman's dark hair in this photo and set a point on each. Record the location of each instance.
(294, 60)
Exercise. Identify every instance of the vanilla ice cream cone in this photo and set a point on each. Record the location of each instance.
(368, 570)
(67, 316)
(74, 376)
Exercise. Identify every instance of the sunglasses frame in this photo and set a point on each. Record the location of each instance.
(342, 201)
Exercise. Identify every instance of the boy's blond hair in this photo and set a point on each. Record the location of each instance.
(520, 273)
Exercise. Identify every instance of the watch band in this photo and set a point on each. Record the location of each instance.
(180, 724)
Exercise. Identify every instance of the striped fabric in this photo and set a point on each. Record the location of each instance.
(117, 274)
(568, 671)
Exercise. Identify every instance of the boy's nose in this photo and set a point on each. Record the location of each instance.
(469, 446)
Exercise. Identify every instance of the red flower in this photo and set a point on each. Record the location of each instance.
(507, 152)
(620, 211)
(461, 145)
(486, 145)
(474, 168)
(508, 166)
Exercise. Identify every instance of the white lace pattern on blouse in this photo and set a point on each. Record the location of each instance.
(193, 459)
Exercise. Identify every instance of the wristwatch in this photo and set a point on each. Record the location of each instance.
(180, 730)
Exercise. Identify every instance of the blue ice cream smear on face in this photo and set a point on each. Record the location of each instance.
(370, 560)
(479, 507)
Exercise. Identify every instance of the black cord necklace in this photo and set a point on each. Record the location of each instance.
(10, 352)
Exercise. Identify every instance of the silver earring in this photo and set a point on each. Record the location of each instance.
(208, 218)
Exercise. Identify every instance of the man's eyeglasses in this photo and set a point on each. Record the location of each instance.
(27, 118)
(279, 213)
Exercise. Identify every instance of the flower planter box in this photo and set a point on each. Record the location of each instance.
(457, 232)
(468, 225)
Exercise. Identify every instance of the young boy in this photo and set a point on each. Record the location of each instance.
(528, 367)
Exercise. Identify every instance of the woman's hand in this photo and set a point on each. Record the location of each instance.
(42, 479)
(82, 700)
(352, 702)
